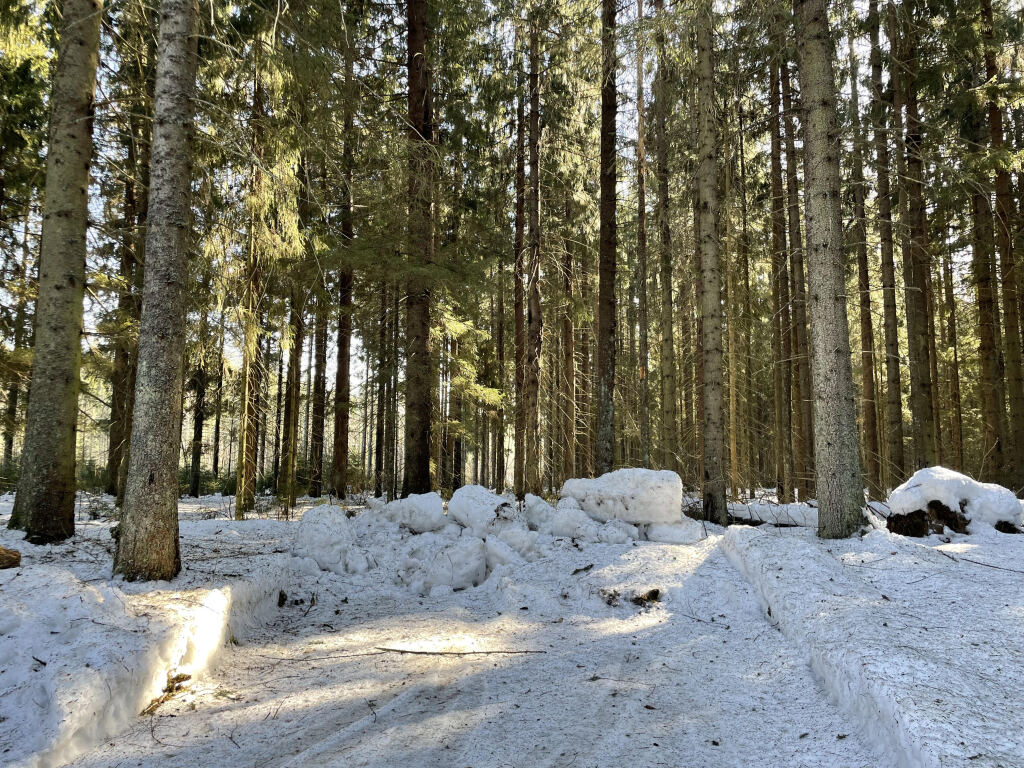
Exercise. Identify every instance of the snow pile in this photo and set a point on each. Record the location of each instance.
(984, 503)
(479, 510)
(419, 512)
(79, 661)
(632, 495)
(412, 544)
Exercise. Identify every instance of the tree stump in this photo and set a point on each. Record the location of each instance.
(9, 558)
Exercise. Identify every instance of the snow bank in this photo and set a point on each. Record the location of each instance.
(984, 503)
(935, 681)
(79, 661)
(632, 495)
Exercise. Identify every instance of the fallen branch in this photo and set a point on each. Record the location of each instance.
(450, 653)
(977, 562)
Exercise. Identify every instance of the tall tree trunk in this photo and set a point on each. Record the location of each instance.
(319, 401)
(956, 416)
(1004, 215)
(287, 485)
(519, 293)
(382, 371)
(419, 366)
(872, 450)
(147, 547)
(535, 319)
(669, 426)
(276, 463)
(200, 382)
(916, 268)
(568, 364)
(837, 461)
(641, 246)
(710, 272)
(780, 303)
(803, 430)
(895, 467)
(218, 408)
(342, 385)
(608, 243)
(252, 311)
(45, 501)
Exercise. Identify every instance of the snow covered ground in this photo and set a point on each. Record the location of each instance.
(495, 635)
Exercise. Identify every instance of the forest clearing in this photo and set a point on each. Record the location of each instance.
(506, 383)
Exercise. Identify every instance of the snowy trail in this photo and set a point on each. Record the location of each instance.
(698, 678)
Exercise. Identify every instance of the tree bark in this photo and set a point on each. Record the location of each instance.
(710, 272)
(641, 246)
(669, 420)
(343, 371)
(916, 266)
(419, 365)
(859, 232)
(44, 504)
(839, 485)
(780, 303)
(1004, 241)
(319, 401)
(608, 244)
(803, 429)
(519, 293)
(534, 316)
(567, 406)
(895, 467)
(147, 547)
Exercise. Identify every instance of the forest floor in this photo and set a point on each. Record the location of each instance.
(761, 647)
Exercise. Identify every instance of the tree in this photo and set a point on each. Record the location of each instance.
(418, 362)
(710, 272)
(147, 546)
(606, 303)
(45, 501)
(534, 314)
(840, 492)
(893, 385)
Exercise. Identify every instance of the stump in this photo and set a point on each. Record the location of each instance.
(9, 558)
(935, 519)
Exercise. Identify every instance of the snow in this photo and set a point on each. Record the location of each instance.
(922, 644)
(800, 514)
(981, 503)
(418, 512)
(81, 654)
(560, 668)
(632, 495)
(475, 507)
(507, 634)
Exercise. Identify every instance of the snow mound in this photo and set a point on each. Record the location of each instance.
(632, 495)
(419, 512)
(984, 503)
(326, 536)
(79, 661)
(476, 508)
